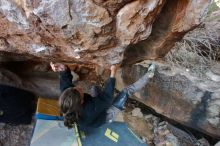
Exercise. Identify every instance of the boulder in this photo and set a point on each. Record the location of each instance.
(92, 34)
(177, 95)
(96, 32)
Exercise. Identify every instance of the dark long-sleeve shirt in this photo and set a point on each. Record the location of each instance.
(94, 109)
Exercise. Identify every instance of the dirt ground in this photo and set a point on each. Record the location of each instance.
(15, 135)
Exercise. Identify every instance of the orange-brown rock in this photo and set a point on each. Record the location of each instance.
(96, 32)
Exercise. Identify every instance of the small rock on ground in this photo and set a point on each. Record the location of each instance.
(136, 112)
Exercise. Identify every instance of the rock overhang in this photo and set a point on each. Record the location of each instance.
(96, 32)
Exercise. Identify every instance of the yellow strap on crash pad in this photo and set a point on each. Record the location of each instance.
(111, 135)
(77, 135)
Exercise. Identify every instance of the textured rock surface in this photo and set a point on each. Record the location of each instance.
(100, 32)
(167, 134)
(179, 96)
(96, 32)
(175, 19)
(15, 135)
(38, 78)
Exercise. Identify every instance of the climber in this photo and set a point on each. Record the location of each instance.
(88, 111)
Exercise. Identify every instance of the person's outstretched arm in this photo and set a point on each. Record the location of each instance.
(108, 91)
(113, 71)
(65, 75)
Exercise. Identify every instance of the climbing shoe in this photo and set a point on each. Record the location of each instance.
(151, 70)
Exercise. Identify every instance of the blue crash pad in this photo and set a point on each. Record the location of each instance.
(47, 117)
(53, 133)
(111, 134)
